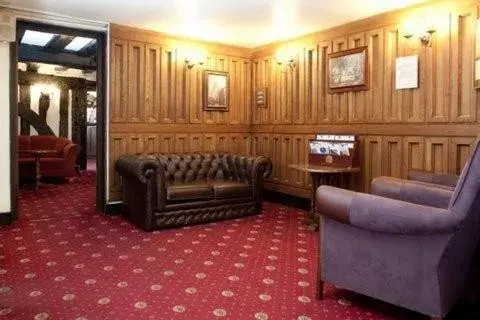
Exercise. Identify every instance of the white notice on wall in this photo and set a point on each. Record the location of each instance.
(406, 72)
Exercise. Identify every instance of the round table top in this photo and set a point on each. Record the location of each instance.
(312, 168)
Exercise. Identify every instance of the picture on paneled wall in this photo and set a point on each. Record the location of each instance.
(216, 90)
(348, 70)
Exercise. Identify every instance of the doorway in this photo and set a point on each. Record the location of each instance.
(59, 75)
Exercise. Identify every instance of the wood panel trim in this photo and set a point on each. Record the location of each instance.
(175, 128)
(453, 130)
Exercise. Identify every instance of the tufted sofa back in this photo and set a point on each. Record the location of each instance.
(185, 168)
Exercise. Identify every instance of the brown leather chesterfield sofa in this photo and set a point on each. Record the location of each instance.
(171, 190)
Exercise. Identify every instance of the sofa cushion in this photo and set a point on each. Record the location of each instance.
(189, 191)
(231, 189)
(24, 143)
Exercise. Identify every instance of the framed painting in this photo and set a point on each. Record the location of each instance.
(216, 90)
(348, 70)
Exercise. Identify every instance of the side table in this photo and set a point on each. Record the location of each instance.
(337, 177)
(37, 154)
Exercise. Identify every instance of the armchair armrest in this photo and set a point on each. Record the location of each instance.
(412, 191)
(435, 178)
(384, 215)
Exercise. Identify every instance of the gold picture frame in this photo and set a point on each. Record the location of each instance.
(216, 95)
(348, 70)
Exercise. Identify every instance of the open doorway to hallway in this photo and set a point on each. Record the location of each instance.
(60, 82)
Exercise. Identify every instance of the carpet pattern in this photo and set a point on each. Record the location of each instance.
(63, 260)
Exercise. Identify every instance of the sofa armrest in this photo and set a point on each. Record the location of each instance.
(148, 171)
(384, 215)
(70, 152)
(258, 168)
(412, 191)
(435, 178)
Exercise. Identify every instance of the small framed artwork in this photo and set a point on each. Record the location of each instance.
(348, 70)
(261, 97)
(216, 90)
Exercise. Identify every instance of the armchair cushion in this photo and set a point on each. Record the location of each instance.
(435, 178)
(412, 191)
(384, 215)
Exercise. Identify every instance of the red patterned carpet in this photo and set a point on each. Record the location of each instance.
(62, 260)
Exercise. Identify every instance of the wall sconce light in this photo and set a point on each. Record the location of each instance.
(194, 56)
(286, 57)
(421, 28)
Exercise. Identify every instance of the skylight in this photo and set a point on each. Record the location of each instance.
(36, 38)
(78, 43)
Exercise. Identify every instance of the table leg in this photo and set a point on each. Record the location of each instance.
(313, 217)
(37, 171)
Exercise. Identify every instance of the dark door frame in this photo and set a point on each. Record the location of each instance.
(101, 109)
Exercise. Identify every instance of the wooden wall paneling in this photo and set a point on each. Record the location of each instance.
(181, 107)
(194, 94)
(153, 83)
(239, 143)
(209, 141)
(325, 100)
(356, 100)
(392, 157)
(286, 159)
(168, 77)
(299, 150)
(235, 92)
(438, 69)
(276, 78)
(118, 80)
(136, 81)
(460, 151)
(373, 166)
(437, 154)
(151, 143)
(118, 147)
(167, 143)
(246, 97)
(300, 92)
(376, 56)
(257, 82)
(340, 100)
(221, 143)
(276, 157)
(312, 85)
(413, 154)
(182, 143)
(392, 102)
(135, 143)
(196, 142)
(463, 104)
(289, 94)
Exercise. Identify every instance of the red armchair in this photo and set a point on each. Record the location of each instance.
(61, 164)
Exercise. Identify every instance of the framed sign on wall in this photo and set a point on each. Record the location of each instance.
(216, 90)
(348, 70)
(261, 97)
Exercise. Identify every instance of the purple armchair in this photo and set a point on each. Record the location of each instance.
(411, 243)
